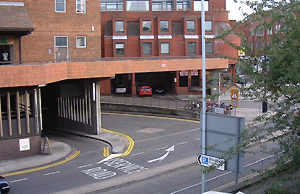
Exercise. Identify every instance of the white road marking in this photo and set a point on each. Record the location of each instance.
(51, 173)
(83, 166)
(163, 148)
(99, 173)
(181, 143)
(170, 149)
(124, 165)
(136, 154)
(18, 180)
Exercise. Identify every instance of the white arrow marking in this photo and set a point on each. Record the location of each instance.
(109, 158)
(170, 149)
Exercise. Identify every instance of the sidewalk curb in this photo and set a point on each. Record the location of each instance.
(41, 166)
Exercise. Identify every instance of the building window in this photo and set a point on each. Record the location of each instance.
(184, 5)
(137, 5)
(177, 28)
(119, 25)
(60, 5)
(208, 26)
(6, 54)
(111, 5)
(80, 41)
(147, 48)
(190, 26)
(61, 41)
(191, 48)
(120, 49)
(197, 5)
(165, 48)
(162, 5)
(133, 28)
(147, 26)
(209, 48)
(164, 26)
(80, 6)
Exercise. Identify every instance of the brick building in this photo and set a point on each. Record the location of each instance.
(58, 56)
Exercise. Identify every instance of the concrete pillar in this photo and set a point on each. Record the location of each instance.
(95, 106)
(133, 85)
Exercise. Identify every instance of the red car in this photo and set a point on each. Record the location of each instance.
(145, 91)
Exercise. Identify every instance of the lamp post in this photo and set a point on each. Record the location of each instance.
(203, 187)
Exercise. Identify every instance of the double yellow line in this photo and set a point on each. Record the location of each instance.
(43, 167)
(130, 140)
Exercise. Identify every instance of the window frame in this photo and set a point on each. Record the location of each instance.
(151, 27)
(85, 41)
(194, 28)
(123, 27)
(115, 49)
(160, 26)
(65, 9)
(146, 54)
(212, 44)
(195, 50)
(160, 48)
(211, 26)
(61, 37)
(84, 8)
(146, 8)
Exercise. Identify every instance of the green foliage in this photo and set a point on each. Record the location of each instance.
(272, 68)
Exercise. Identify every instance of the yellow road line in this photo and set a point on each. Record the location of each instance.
(43, 167)
(157, 117)
(106, 152)
(130, 140)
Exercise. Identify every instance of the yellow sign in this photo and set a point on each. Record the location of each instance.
(241, 53)
(234, 94)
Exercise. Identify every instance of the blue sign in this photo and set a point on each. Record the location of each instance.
(204, 160)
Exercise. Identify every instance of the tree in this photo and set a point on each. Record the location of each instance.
(272, 68)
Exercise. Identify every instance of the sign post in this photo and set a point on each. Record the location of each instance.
(234, 95)
(203, 138)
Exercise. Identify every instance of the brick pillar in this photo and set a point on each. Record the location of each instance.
(133, 85)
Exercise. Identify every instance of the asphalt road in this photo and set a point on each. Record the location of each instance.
(159, 143)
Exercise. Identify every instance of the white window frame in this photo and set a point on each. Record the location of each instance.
(64, 7)
(82, 3)
(162, 52)
(77, 43)
(61, 46)
(118, 46)
(61, 37)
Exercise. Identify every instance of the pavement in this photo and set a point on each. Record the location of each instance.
(119, 143)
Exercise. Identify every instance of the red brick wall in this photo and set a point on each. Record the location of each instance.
(39, 46)
(10, 148)
(105, 87)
